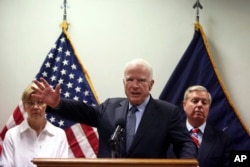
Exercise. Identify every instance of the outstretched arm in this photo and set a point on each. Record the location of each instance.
(46, 93)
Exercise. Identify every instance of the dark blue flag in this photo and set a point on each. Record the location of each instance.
(197, 67)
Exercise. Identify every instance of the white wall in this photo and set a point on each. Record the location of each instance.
(108, 33)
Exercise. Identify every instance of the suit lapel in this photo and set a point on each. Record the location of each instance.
(121, 111)
(207, 143)
(146, 121)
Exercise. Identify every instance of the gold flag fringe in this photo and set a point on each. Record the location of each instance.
(65, 25)
(198, 27)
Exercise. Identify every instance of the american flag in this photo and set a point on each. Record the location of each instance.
(62, 65)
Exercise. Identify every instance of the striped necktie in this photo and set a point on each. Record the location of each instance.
(194, 135)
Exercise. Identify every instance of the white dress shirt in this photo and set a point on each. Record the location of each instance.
(21, 144)
(201, 128)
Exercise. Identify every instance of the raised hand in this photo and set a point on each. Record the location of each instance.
(46, 93)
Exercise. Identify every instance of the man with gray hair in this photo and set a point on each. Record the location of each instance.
(214, 145)
(150, 125)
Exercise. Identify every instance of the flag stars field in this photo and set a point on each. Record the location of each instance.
(62, 66)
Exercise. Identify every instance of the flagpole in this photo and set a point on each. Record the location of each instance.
(65, 10)
(198, 6)
(64, 24)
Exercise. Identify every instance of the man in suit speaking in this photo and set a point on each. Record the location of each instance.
(154, 124)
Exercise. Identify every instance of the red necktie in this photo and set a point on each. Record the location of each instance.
(194, 136)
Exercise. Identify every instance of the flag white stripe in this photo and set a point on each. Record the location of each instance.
(83, 141)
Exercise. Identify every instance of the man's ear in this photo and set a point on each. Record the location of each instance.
(183, 104)
(151, 84)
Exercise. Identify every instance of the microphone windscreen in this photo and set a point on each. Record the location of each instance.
(121, 122)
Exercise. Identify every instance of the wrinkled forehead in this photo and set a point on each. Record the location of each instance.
(202, 95)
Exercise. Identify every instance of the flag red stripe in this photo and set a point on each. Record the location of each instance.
(73, 143)
(91, 136)
(1, 148)
(3, 132)
(81, 145)
(18, 116)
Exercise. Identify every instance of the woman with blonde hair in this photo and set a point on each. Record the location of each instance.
(35, 137)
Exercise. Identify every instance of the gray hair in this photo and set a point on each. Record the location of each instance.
(197, 88)
(143, 63)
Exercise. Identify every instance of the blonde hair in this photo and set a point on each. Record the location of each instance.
(28, 92)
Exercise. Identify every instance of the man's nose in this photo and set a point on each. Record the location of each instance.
(135, 83)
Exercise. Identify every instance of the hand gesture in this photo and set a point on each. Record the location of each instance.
(46, 93)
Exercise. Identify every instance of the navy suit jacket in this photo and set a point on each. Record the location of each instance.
(215, 148)
(160, 125)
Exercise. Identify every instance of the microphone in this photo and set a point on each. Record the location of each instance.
(120, 123)
(117, 138)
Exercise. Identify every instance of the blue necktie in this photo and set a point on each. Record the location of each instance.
(130, 126)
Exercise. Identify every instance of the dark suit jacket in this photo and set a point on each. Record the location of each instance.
(215, 148)
(160, 125)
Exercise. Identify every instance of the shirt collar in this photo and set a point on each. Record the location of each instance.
(190, 127)
(142, 106)
(24, 126)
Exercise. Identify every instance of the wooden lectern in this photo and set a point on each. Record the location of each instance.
(110, 162)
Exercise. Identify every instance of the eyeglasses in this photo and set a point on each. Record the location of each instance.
(33, 103)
